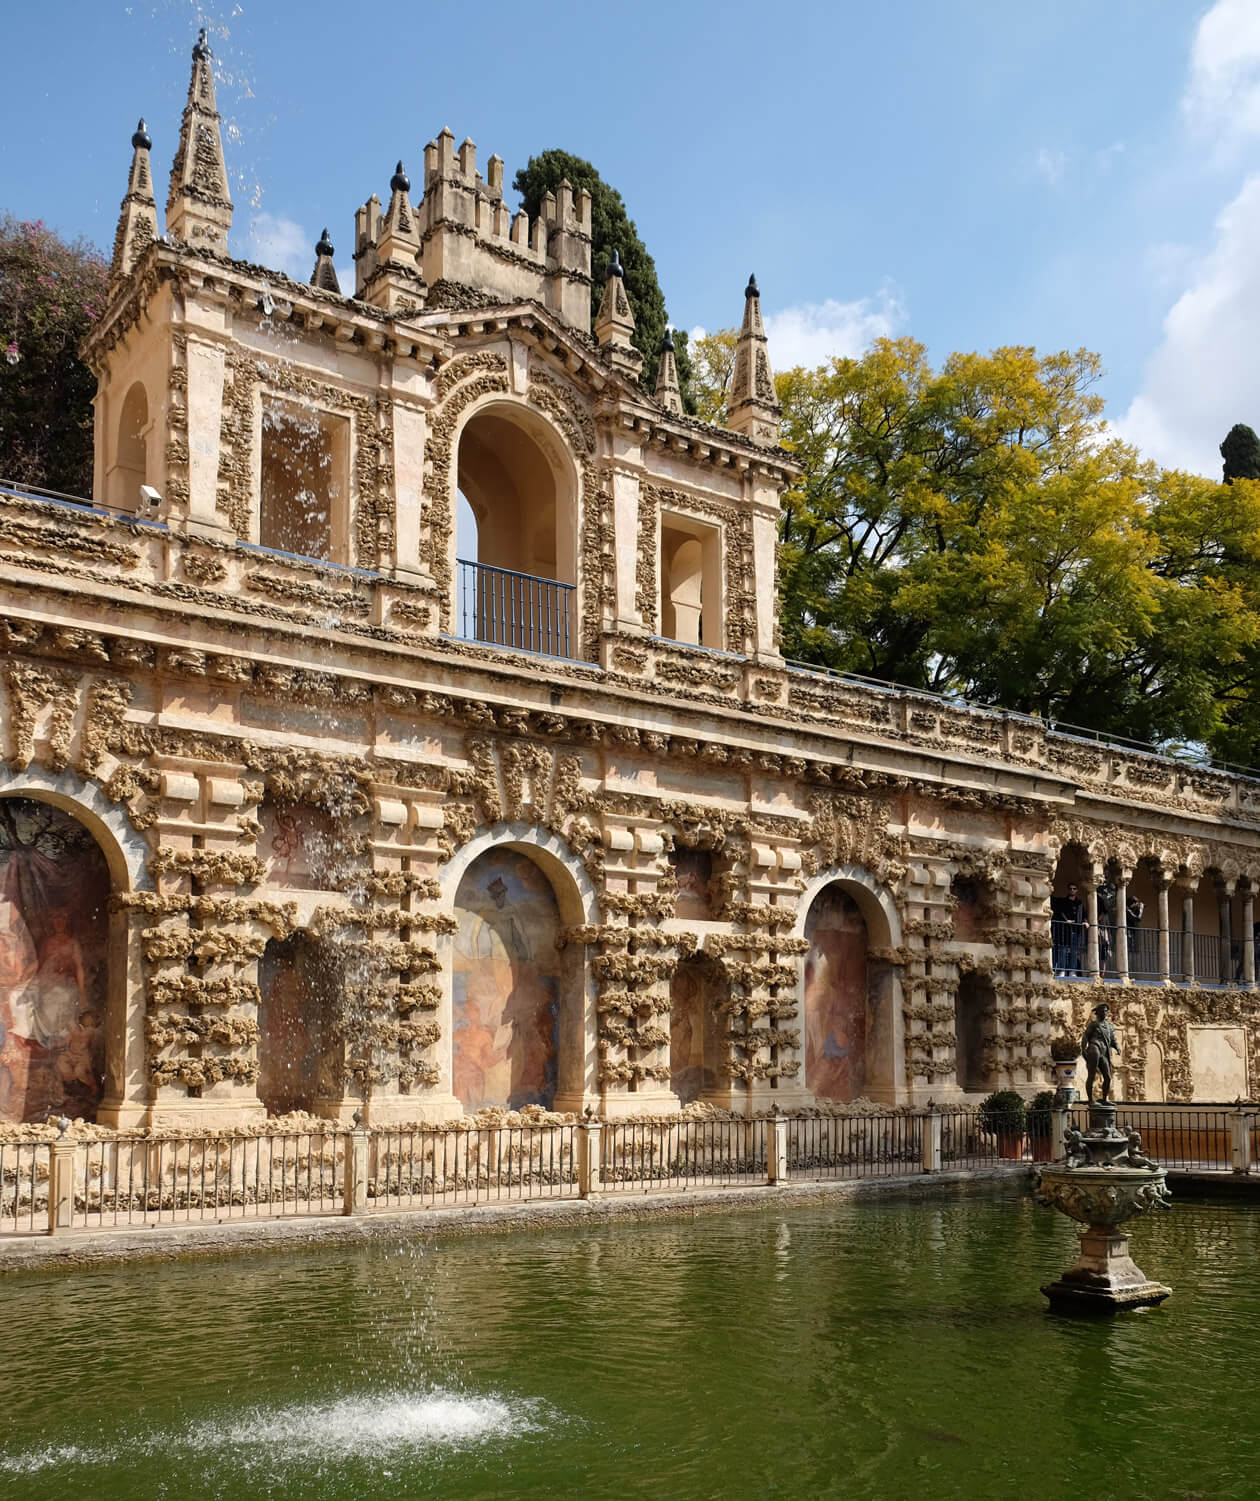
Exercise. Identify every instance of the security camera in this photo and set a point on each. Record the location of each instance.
(147, 492)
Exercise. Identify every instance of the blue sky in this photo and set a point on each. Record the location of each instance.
(970, 172)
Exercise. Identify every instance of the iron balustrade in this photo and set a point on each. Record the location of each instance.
(1216, 960)
(518, 610)
(647, 1156)
(854, 1146)
(432, 1167)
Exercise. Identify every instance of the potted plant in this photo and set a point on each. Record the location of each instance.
(1002, 1115)
(1065, 1051)
(1040, 1123)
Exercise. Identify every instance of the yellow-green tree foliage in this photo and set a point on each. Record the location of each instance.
(977, 530)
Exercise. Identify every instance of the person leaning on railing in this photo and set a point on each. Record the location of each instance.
(1067, 925)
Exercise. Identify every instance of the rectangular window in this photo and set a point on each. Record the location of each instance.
(691, 582)
(304, 482)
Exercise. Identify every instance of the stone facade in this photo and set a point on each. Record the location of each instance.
(313, 746)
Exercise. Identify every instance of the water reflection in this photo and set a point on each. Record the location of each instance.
(867, 1349)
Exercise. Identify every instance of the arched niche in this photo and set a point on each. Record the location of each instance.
(698, 1049)
(57, 961)
(519, 1002)
(975, 1016)
(516, 564)
(126, 1094)
(301, 1032)
(130, 467)
(849, 997)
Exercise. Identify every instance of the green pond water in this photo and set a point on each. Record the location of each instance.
(875, 1349)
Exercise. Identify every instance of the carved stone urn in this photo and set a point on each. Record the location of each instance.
(1102, 1182)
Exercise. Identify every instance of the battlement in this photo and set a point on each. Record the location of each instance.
(467, 234)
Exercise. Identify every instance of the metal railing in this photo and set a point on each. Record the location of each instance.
(518, 610)
(643, 1156)
(830, 1146)
(423, 1167)
(1215, 960)
(177, 1179)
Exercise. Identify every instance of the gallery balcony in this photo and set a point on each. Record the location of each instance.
(1151, 956)
(519, 610)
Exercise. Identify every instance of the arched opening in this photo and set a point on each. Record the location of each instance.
(975, 1016)
(301, 1047)
(691, 610)
(697, 1046)
(516, 549)
(1068, 916)
(1142, 920)
(54, 964)
(130, 467)
(838, 976)
(517, 998)
(1153, 1073)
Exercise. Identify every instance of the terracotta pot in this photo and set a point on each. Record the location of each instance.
(1011, 1147)
(1042, 1149)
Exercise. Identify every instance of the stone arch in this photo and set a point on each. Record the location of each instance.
(536, 983)
(125, 1094)
(301, 1041)
(130, 467)
(515, 466)
(847, 984)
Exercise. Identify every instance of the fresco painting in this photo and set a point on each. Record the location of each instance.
(693, 870)
(299, 1048)
(835, 997)
(300, 845)
(691, 1020)
(54, 930)
(506, 984)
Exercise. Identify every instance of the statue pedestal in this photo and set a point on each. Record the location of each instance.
(1105, 1277)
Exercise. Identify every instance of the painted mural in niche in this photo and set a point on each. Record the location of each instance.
(300, 846)
(835, 997)
(505, 984)
(300, 1044)
(54, 930)
(692, 1030)
(693, 870)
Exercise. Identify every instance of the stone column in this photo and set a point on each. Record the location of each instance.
(1091, 931)
(1120, 938)
(1162, 882)
(1189, 887)
(1248, 938)
(1224, 926)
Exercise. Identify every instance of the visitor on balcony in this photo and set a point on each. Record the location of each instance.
(1067, 924)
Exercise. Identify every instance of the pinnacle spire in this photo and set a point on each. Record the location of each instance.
(614, 323)
(199, 202)
(752, 408)
(395, 282)
(137, 217)
(324, 275)
(668, 392)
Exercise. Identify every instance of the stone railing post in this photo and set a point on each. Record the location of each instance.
(589, 1134)
(777, 1148)
(1120, 935)
(1187, 931)
(1240, 1140)
(932, 1141)
(61, 1157)
(356, 1168)
(1058, 1131)
(1248, 938)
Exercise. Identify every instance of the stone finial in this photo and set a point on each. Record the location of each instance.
(614, 323)
(199, 201)
(137, 217)
(668, 392)
(395, 282)
(325, 273)
(753, 409)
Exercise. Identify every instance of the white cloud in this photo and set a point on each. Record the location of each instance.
(1223, 95)
(1051, 165)
(812, 332)
(281, 245)
(1204, 375)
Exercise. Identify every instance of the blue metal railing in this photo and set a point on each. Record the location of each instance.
(505, 608)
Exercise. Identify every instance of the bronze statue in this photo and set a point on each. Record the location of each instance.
(1135, 1157)
(1097, 1046)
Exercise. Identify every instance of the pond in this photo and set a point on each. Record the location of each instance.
(871, 1349)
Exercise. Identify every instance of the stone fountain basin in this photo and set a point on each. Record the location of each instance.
(1102, 1196)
